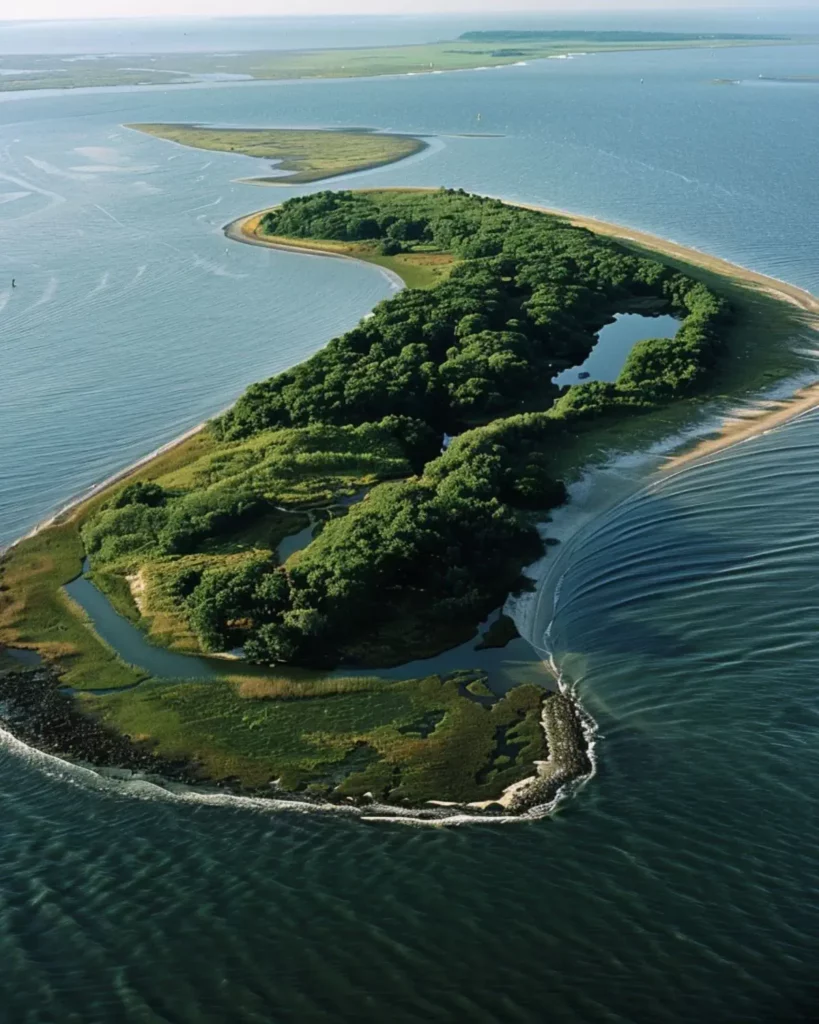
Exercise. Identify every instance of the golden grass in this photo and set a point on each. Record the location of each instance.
(416, 269)
(283, 688)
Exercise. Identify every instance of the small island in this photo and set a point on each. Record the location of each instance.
(307, 154)
(405, 543)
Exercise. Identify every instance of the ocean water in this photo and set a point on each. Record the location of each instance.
(681, 883)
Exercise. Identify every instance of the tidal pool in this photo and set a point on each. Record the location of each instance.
(615, 341)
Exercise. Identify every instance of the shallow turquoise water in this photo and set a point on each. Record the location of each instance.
(681, 883)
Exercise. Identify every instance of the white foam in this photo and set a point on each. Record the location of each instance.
(103, 284)
(137, 786)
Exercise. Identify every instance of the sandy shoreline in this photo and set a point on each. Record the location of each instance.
(245, 230)
(770, 285)
(771, 415)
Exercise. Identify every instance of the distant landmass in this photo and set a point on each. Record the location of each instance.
(562, 35)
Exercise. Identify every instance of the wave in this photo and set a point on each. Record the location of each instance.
(103, 284)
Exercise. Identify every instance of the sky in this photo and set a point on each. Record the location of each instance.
(11, 10)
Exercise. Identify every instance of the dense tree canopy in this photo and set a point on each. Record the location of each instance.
(474, 357)
(524, 301)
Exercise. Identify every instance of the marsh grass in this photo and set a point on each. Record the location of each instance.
(308, 155)
(256, 731)
(454, 55)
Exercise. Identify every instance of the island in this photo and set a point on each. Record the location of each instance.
(308, 154)
(472, 50)
(413, 460)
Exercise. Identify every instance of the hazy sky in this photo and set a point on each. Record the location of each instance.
(58, 9)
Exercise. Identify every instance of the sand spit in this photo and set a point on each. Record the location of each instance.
(246, 230)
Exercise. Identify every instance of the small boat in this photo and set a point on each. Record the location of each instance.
(583, 376)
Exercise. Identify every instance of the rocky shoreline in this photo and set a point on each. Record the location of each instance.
(35, 709)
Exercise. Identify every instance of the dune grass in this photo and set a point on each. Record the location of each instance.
(308, 155)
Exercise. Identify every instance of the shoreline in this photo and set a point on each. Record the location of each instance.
(121, 474)
(805, 398)
(290, 176)
(41, 719)
(196, 80)
(773, 286)
(244, 229)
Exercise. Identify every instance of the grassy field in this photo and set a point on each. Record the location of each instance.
(419, 269)
(48, 72)
(307, 154)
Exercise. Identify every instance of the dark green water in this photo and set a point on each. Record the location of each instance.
(682, 883)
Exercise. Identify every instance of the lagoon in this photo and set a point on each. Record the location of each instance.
(615, 341)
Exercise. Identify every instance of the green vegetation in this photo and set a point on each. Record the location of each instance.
(403, 742)
(473, 50)
(36, 612)
(419, 268)
(502, 632)
(187, 546)
(413, 567)
(309, 155)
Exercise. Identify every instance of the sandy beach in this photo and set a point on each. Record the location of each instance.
(246, 229)
(74, 503)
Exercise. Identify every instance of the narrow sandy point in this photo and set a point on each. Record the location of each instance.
(246, 229)
(751, 423)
